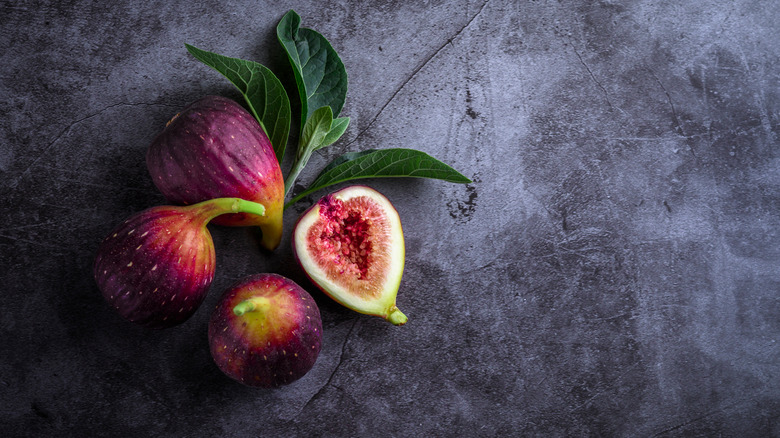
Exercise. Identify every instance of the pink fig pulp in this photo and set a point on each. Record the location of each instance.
(266, 331)
(214, 148)
(156, 267)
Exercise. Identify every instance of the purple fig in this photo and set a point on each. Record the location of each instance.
(156, 267)
(351, 245)
(266, 331)
(214, 148)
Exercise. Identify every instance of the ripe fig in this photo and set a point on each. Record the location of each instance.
(156, 267)
(351, 245)
(214, 148)
(266, 331)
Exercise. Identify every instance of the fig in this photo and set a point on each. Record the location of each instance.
(265, 331)
(213, 149)
(156, 267)
(351, 245)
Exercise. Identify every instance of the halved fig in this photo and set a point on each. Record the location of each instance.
(351, 245)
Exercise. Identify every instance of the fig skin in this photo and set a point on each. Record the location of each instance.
(214, 148)
(367, 283)
(156, 267)
(266, 331)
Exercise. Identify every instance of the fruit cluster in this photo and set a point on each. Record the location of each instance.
(215, 162)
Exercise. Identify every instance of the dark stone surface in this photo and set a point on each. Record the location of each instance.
(612, 271)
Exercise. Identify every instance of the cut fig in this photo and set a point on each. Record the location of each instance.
(351, 245)
(213, 149)
(156, 267)
(266, 331)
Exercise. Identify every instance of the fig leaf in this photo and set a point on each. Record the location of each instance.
(321, 130)
(321, 80)
(314, 132)
(319, 73)
(337, 129)
(262, 90)
(381, 163)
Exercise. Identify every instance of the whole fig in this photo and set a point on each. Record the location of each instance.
(265, 331)
(212, 149)
(156, 267)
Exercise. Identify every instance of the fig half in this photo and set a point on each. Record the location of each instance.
(266, 331)
(156, 267)
(351, 245)
(213, 149)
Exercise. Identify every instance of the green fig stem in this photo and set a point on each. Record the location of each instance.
(299, 164)
(396, 317)
(219, 206)
(252, 305)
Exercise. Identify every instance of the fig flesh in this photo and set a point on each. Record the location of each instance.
(266, 331)
(214, 148)
(156, 267)
(351, 245)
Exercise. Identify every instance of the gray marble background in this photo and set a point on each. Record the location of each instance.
(612, 271)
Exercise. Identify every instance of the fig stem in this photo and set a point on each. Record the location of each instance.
(396, 317)
(293, 175)
(252, 305)
(219, 206)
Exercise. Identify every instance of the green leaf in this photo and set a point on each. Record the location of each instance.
(319, 73)
(382, 163)
(262, 91)
(336, 131)
(320, 130)
(314, 132)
